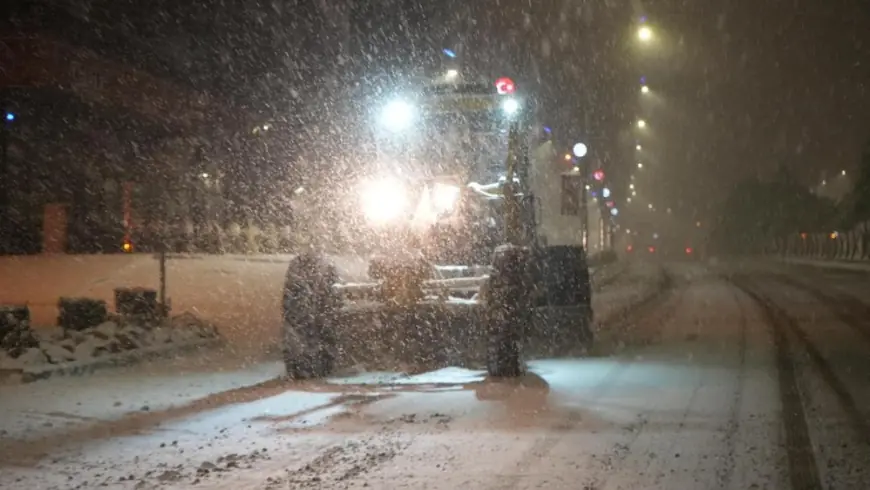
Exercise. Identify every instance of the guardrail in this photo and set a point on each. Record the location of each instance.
(852, 245)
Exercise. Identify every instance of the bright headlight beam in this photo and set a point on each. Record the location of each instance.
(397, 115)
(444, 197)
(383, 200)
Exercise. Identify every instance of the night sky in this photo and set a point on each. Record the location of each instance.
(738, 87)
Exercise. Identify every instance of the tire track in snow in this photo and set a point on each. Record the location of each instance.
(849, 310)
(803, 469)
(557, 431)
(844, 396)
(725, 471)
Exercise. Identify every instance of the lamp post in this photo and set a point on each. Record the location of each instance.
(580, 151)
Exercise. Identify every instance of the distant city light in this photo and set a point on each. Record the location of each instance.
(598, 175)
(843, 172)
(605, 192)
(579, 150)
(644, 89)
(449, 53)
(10, 116)
(614, 211)
(641, 124)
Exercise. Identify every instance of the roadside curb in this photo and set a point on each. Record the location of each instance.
(841, 264)
(79, 368)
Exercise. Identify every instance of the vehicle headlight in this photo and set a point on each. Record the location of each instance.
(444, 197)
(397, 115)
(383, 200)
(510, 106)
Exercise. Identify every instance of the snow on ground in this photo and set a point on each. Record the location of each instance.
(240, 294)
(689, 402)
(687, 392)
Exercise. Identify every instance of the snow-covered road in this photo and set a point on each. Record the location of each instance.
(755, 380)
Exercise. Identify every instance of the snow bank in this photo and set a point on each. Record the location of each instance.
(23, 348)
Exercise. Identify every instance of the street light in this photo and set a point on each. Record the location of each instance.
(631, 186)
(649, 205)
(843, 172)
(641, 123)
(452, 74)
(567, 157)
(644, 89)
(639, 165)
(638, 148)
(645, 34)
(580, 150)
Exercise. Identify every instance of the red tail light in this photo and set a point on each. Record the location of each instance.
(652, 250)
(688, 250)
(629, 248)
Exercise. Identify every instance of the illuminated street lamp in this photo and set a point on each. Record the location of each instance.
(580, 150)
(639, 165)
(645, 34)
(644, 89)
(641, 123)
(649, 205)
(638, 148)
(567, 157)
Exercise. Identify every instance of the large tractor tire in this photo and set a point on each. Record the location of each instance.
(563, 274)
(310, 312)
(508, 310)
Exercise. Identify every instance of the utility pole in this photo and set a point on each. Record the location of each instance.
(5, 184)
(584, 184)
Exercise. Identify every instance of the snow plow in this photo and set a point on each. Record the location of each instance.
(469, 273)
